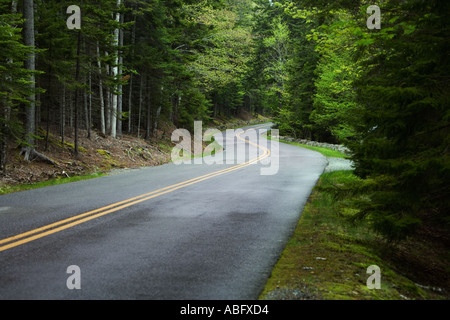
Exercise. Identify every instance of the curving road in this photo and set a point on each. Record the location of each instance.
(209, 229)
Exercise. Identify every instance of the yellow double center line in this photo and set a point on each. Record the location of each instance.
(46, 230)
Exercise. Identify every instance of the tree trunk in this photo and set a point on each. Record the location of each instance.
(141, 89)
(155, 122)
(4, 137)
(130, 101)
(48, 108)
(63, 112)
(85, 105)
(176, 106)
(158, 112)
(90, 104)
(77, 78)
(130, 92)
(115, 73)
(28, 38)
(100, 90)
(70, 112)
(149, 112)
(120, 87)
(108, 100)
(29, 151)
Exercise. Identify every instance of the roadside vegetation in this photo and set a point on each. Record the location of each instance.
(4, 189)
(325, 151)
(328, 255)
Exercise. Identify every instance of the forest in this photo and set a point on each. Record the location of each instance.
(314, 67)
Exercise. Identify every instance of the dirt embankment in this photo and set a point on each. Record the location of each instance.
(96, 154)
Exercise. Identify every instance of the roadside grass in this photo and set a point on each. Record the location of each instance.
(5, 189)
(327, 256)
(325, 151)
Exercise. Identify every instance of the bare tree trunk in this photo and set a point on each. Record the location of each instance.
(108, 101)
(158, 112)
(77, 78)
(37, 102)
(130, 101)
(120, 87)
(28, 38)
(130, 92)
(29, 150)
(100, 90)
(63, 112)
(4, 137)
(48, 109)
(141, 89)
(71, 111)
(85, 104)
(115, 73)
(175, 106)
(149, 112)
(155, 122)
(90, 105)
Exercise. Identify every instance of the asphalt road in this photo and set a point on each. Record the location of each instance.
(159, 232)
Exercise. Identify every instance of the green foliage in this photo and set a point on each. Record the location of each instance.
(405, 120)
(335, 97)
(384, 93)
(14, 80)
(222, 58)
(302, 76)
(195, 107)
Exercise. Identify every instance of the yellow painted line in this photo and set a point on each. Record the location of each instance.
(84, 217)
(184, 183)
(107, 207)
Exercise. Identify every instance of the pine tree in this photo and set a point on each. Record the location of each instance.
(14, 79)
(302, 74)
(334, 101)
(402, 146)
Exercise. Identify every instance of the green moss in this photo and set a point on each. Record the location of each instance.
(10, 189)
(103, 153)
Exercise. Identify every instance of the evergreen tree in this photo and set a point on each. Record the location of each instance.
(334, 101)
(402, 146)
(302, 74)
(14, 78)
